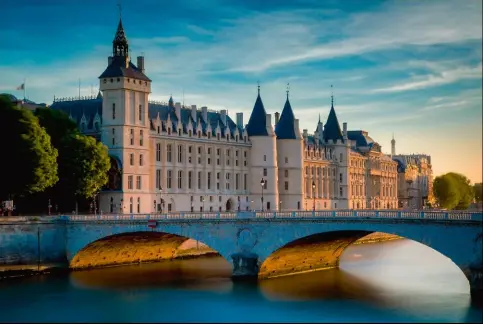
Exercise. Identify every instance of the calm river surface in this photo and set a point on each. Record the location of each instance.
(396, 281)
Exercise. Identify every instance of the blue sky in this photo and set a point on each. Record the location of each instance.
(412, 68)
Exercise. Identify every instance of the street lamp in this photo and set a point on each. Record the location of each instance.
(262, 183)
(313, 193)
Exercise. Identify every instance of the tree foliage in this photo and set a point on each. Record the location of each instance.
(453, 191)
(478, 191)
(83, 163)
(28, 157)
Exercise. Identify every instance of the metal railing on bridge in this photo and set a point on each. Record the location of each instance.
(321, 214)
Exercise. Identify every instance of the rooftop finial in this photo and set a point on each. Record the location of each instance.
(319, 118)
(332, 95)
(120, 8)
(258, 82)
(288, 89)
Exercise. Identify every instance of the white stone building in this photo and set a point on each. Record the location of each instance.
(168, 157)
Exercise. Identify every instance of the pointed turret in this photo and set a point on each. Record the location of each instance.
(285, 128)
(171, 102)
(332, 128)
(257, 124)
(120, 45)
(99, 95)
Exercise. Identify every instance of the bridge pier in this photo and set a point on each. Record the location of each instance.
(475, 277)
(245, 265)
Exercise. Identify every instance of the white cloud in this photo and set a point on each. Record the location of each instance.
(432, 80)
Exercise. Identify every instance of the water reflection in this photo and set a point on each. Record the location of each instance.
(398, 281)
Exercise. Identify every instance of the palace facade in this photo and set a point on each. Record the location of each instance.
(170, 157)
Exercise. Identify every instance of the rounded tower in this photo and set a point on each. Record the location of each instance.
(290, 159)
(263, 159)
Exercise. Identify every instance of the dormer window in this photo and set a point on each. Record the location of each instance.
(169, 130)
(159, 128)
(82, 126)
(244, 138)
(218, 136)
(199, 134)
(227, 137)
(209, 135)
(189, 133)
(236, 138)
(97, 125)
(179, 131)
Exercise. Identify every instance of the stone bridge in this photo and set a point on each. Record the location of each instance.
(263, 244)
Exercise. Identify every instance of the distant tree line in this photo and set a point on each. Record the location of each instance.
(455, 191)
(44, 157)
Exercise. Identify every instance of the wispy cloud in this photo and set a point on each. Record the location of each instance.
(432, 80)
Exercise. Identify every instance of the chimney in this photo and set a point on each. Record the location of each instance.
(297, 129)
(109, 60)
(277, 118)
(193, 112)
(204, 113)
(141, 63)
(223, 116)
(305, 133)
(239, 120)
(177, 107)
(344, 130)
(268, 120)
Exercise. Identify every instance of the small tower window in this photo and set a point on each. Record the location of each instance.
(113, 111)
(140, 112)
(112, 80)
(113, 137)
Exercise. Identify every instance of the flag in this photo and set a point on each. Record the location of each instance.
(21, 87)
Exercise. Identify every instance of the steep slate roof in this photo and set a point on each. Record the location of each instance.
(77, 108)
(285, 128)
(117, 68)
(332, 128)
(90, 107)
(361, 138)
(257, 124)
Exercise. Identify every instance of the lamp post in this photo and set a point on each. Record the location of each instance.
(262, 183)
(313, 193)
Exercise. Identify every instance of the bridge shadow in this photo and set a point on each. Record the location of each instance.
(138, 247)
(309, 253)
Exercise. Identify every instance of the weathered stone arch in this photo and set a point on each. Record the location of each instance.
(461, 244)
(97, 236)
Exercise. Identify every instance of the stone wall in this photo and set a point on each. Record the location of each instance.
(31, 244)
(316, 252)
(138, 247)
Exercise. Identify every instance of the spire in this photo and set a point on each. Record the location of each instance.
(288, 89)
(120, 45)
(331, 96)
(319, 118)
(332, 129)
(285, 128)
(257, 124)
(170, 101)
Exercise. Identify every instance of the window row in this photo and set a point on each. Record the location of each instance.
(196, 180)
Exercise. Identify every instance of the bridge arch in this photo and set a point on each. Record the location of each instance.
(323, 243)
(107, 244)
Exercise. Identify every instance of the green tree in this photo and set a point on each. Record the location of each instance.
(453, 191)
(478, 191)
(465, 190)
(446, 191)
(83, 162)
(28, 158)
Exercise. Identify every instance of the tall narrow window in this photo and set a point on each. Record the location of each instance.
(158, 178)
(168, 152)
(129, 182)
(180, 153)
(140, 112)
(189, 179)
(141, 133)
(244, 181)
(209, 180)
(113, 111)
(141, 160)
(180, 179)
(113, 137)
(132, 136)
(130, 205)
(131, 158)
(139, 205)
(138, 183)
(168, 182)
(158, 152)
(199, 180)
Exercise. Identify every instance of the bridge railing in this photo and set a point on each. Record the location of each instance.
(318, 214)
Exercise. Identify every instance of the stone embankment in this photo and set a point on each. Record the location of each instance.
(377, 237)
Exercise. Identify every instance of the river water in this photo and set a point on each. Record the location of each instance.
(395, 281)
